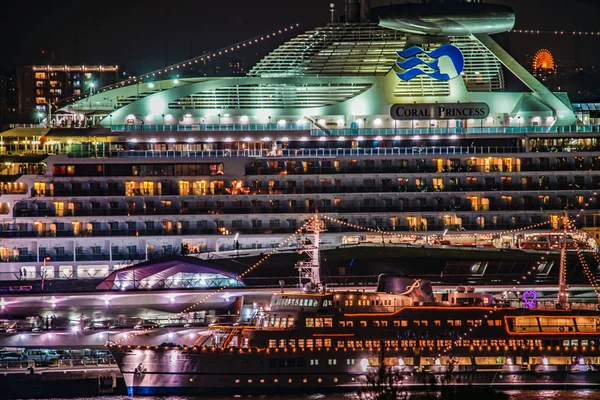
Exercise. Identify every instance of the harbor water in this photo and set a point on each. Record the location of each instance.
(583, 394)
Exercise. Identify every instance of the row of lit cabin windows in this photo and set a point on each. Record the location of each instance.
(363, 302)
(278, 322)
(319, 343)
(299, 362)
(328, 323)
(298, 302)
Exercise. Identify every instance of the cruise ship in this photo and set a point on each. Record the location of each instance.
(400, 335)
(397, 120)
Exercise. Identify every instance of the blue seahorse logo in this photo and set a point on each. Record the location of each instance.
(412, 61)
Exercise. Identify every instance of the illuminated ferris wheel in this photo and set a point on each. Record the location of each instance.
(543, 64)
(543, 60)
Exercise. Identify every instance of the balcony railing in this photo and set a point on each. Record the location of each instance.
(500, 130)
(303, 153)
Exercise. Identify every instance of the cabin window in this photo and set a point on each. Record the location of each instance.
(328, 322)
(332, 361)
(450, 322)
(584, 342)
(348, 303)
(300, 342)
(490, 322)
(384, 324)
(457, 322)
(417, 323)
(350, 324)
(396, 323)
(318, 322)
(327, 342)
(310, 322)
(350, 343)
(437, 322)
(404, 323)
(376, 324)
(363, 324)
(290, 322)
(498, 322)
(314, 361)
(281, 342)
(276, 325)
(318, 342)
(272, 343)
(292, 342)
(342, 324)
(340, 343)
(424, 323)
(309, 343)
(360, 302)
(350, 361)
(358, 343)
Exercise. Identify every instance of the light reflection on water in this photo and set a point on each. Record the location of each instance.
(583, 394)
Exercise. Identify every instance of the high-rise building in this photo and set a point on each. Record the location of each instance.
(42, 85)
(8, 97)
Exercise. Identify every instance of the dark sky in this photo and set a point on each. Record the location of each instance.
(142, 35)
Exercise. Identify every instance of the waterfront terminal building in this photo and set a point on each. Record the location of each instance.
(397, 122)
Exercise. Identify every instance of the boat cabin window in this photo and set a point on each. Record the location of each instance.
(319, 322)
(555, 325)
(363, 324)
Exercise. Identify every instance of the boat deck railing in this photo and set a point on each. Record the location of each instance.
(298, 153)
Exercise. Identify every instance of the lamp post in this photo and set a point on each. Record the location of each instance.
(90, 96)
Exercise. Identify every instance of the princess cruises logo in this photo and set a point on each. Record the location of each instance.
(447, 62)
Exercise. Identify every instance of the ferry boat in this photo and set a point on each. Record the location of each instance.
(316, 339)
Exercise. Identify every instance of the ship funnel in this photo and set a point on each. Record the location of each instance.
(357, 11)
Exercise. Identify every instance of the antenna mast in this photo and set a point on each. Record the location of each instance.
(310, 269)
(561, 301)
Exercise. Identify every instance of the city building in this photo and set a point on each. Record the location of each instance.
(8, 98)
(41, 87)
(394, 125)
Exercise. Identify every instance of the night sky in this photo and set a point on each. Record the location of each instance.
(143, 35)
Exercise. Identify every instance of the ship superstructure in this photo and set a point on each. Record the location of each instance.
(337, 119)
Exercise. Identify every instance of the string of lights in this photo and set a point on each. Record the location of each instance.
(207, 296)
(564, 33)
(413, 236)
(206, 57)
(253, 267)
(586, 269)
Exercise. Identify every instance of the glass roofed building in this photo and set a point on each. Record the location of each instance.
(398, 121)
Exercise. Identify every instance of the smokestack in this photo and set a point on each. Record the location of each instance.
(365, 11)
(352, 10)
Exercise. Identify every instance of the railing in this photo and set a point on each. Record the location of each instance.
(458, 131)
(356, 131)
(211, 127)
(304, 153)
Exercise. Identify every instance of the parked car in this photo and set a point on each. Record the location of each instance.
(10, 356)
(41, 355)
